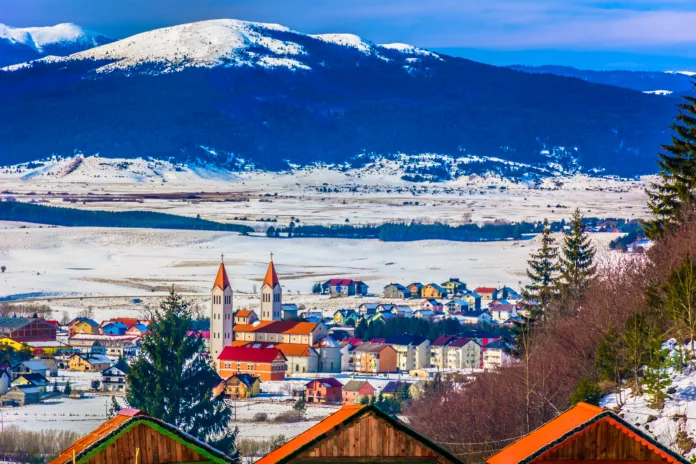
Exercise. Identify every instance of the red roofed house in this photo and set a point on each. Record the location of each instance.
(344, 287)
(328, 390)
(27, 329)
(359, 434)
(264, 363)
(355, 390)
(487, 293)
(590, 434)
(133, 436)
(245, 317)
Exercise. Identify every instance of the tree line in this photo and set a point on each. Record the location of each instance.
(72, 217)
(589, 329)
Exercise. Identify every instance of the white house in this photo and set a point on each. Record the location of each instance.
(474, 317)
(503, 312)
(495, 356)
(113, 380)
(412, 351)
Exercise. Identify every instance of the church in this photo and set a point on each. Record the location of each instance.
(305, 346)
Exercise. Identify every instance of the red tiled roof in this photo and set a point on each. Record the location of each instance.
(52, 322)
(341, 281)
(485, 290)
(221, 281)
(127, 321)
(271, 278)
(278, 327)
(245, 353)
(243, 313)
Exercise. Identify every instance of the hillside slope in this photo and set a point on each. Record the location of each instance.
(225, 89)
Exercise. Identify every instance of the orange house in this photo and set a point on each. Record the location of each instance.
(374, 358)
(586, 434)
(328, 390)
(264, 363)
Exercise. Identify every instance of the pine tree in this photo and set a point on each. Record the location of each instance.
(173, 380)
(114, 408)
(672, 198)
(67, 389)
(542, 272)
(576, 262)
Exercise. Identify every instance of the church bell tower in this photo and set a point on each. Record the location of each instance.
(221, 313)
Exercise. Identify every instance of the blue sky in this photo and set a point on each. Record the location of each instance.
(630, 34)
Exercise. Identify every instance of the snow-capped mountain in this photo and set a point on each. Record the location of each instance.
(277, 97)
(23, 44)
(214, 43)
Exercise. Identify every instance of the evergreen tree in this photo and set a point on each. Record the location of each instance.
(67, 389)
(114, 408)
(122, 364)
(656, 377)
(542, 272)
(173, 380)
(576, 262)
(678, 300)
(671, 199)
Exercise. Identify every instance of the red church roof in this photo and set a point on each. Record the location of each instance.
(271, 276)
(243, 353)
(221, 280)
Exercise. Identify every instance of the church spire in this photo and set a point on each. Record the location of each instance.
(271, 278)
(221, 280)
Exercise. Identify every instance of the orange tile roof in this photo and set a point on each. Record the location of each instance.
(101, 431)
(334, 420)
(221, 280)
(558, 430)
(251, 327)
(278, 327)
(271, 276)
(243, 313)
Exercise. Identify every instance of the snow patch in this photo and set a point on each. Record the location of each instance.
(40, 37)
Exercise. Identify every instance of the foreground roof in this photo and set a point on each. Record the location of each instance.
(563, 427)
(343, 417)
(125, 420)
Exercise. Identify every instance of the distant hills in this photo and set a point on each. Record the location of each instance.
(18, 45)
(642, 81)
(224, 90)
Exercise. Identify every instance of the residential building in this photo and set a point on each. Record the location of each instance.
(114, 328)
(347, 346)
(454, 286)
(344, 287)
(433, 291)
(138, 329)
(5, 379)
(374, 358)
(355, 390)
(271, 296)
(396, 291)
(113, 379)
(487, 293)
(31, 380)
(415, 288)
(463, 353)
(385, 307)
(33, 366)
(329, 354)
(587, 434)
(221, 313)
(412, 351)
(438, 351)
(27, 329)
(473, 300)
(326, 390)
(290, 311)
(366, 309)
(456, 306)
(495, 355)
(267, 363)
(509, 294)
(88, 363)
(342, 438)
(300, 359)
(402, 311)
(426, 314)
(346, 317)
(381, 316)
(21, 395)
(82, 325)
(474, 317)
(245, 317)
(395, 389)
(115, 345)
(432, 304)
(132, 433)
(503, 312)
(239, 386)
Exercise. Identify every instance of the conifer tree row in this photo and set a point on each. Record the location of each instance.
(671, 199)
(576, 262)
(542, 270)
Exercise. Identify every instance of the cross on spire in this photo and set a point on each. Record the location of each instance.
(222, 257)
(271, 256)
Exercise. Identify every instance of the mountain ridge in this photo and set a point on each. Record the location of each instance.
(276, 97)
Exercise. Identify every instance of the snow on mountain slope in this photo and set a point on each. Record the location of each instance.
(114, 170)
(40, 38)
(220, 42)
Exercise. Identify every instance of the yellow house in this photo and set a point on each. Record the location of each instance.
(82, 325)
(433, 291)
(239, 386)
(89, 363)
(344, 316)
(13, 344)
